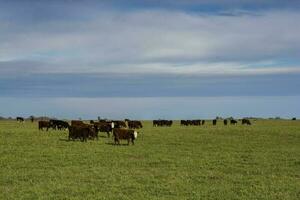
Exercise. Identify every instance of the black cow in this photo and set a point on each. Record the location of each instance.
(20, 119)
(58, 124)
(246, 121)
(162, 123)
(225, 122)
(233, 122)
(31, 118)
(214, 122)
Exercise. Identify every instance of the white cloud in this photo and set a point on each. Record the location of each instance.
(158, 42)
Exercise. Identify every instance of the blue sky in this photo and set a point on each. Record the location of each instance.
(155, 49)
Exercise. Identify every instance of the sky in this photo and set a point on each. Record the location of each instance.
(106, 58)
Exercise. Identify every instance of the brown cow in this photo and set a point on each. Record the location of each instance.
(82, 132)
(92, 133)
(76, 122)
(103, 127)
(135, 124)
(44, 124)
(124, 134)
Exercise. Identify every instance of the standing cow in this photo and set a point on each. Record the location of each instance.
(233, 122)
(246, 121)
(225, 122)
(44, 124)
(124, 134)
(20, 119)
(214, 122)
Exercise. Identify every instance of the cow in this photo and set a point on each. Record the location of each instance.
(119, 124)
(31, 118)
(196, 122)
(246, 121)
(44, 124)
(233, 122)
(225, 122)
(183, 123)
(58, 124)
(214, 122)
(203, 122)
(135, 124)
(162, 122)
(103, 127)
(82, 132)
(294, 118)
(124, 134)
(76, 122)
(20, 119)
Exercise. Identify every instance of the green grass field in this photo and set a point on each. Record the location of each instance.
(261, 161)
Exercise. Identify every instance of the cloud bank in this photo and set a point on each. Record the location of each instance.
(154, 41)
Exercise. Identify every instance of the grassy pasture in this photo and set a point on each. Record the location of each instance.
(234, 162)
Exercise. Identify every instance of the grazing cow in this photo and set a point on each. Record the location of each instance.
(225, 122)
(246, 121)
(20, 119)
(233, 122)
(44, 124)
(58, 124)
(135, 124)
(124, 134)
(183, 123)
(162, 122)
(214, 122)
(190, 122)
(103, 127)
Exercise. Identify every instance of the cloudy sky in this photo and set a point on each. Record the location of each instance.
(147, 51)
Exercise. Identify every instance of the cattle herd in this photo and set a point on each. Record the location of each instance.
(83, 131)
(121, 130)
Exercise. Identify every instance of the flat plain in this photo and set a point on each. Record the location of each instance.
(261, 161)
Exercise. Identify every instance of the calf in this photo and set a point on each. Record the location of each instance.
(124, 134)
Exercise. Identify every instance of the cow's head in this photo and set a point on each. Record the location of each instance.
(135, 134)
(112, 125)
